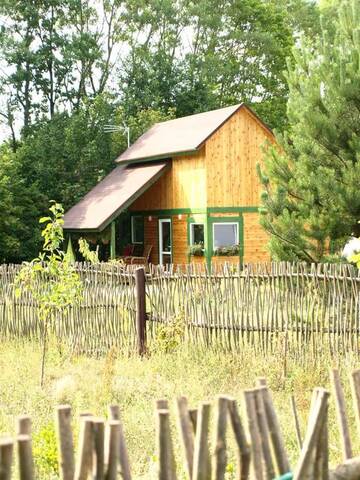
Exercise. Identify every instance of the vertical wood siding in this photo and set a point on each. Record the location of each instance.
(231, 157)
(222, 174)
(255, 239)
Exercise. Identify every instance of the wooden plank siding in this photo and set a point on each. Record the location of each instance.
(231, 157)
(222, 175)
(184, 186)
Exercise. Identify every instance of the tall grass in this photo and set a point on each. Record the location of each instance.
(135, 383)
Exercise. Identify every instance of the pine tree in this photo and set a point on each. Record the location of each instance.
(312, 195)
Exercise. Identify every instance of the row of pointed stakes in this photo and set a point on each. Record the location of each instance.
(261, 454)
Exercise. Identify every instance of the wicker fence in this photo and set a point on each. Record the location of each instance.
(259, 445)
(267, 306)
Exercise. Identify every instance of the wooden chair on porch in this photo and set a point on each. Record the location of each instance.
(127, 252)
(141, 260)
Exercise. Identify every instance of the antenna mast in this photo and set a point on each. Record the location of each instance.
(118, 128)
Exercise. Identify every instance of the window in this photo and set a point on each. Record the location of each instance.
(225, 234)
(196, 233)
(137, 229)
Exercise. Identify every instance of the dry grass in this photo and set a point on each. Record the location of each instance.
(134, 383)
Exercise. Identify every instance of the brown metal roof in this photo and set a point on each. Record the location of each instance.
(112, 195)
(177, 136)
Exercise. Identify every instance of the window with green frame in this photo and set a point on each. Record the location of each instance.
(197, 233)
(137, 229)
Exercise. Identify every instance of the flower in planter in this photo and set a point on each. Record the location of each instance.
(196, 250)
(227, 251)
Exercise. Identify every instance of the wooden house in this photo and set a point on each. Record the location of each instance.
(186, 181)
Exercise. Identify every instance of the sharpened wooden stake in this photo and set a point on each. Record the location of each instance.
(355, 390)
(26, 463)
(269, 473)
(98, 425)
(202, 464)
(316, 422)
(165, 450)
(23, 425)
(162, 404)
(114, 413)
(113, 450)
(83, 466)
(65, 442)
(6, 457)
(186, 433)
(140, 310)
(243, 450)
(277, 441)
(219, 455)
(341, 414)
(296, 421)
(256, 451)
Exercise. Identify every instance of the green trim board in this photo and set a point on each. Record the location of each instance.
(193, 211)
(176, 211)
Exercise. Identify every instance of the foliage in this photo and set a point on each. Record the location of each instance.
(227, 251)
(311, 198)
(91, 256)
(72, 66)
(61, 285)
(170, 335)
(46, 452)
(196, 250)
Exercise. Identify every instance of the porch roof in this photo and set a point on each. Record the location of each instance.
(173, 137)
(112, 195)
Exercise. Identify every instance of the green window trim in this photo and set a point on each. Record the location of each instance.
(239, 220)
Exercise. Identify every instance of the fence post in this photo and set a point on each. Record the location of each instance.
(140, 309)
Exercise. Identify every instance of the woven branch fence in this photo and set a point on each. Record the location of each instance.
(267, 306)
(260, 451)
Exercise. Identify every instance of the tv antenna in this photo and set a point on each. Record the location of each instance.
(119, 128)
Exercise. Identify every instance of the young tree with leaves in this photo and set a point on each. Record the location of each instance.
(50, 278)
(312, 197)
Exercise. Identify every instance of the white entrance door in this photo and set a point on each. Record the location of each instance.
(165, 241)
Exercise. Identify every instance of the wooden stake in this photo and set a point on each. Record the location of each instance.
(281, 457)
(6, 457)
(113, 450)
(99, 448)
(114, 413)
(202, 464)
(140, 309)
(264, 432)
(26, 464)
(304, 467)
(243, 450)
(186, 431)
(341, 414)
(219, 455)
(23, 425)
(256, 451)
(296, 421)
(83, 466)
(165, 451)
(65, 442)
(355, 390)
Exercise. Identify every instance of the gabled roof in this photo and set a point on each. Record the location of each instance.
(173, 137)
(112, 195)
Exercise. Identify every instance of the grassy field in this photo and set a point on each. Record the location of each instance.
(90, 384)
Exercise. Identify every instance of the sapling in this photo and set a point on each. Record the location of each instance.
(50, 278)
